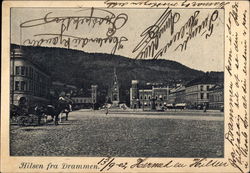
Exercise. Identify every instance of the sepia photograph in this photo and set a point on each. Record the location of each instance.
(78, 93)
(125, 86)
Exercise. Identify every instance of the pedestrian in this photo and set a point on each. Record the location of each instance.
(205, 107)
(107, 110)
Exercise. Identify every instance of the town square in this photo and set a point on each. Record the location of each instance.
(124, 133)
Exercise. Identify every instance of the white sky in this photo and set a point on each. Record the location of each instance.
(201, 54)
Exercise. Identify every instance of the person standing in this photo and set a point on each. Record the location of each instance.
(106, 109)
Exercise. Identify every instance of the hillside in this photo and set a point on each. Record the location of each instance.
(83, 69)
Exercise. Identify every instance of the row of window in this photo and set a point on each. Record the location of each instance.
(194, 96)
(30, 72)
(156, 104)
(217, 97)
(156, 97)
(83, 100)
(203, 87)
(197, 88)
(37, 89)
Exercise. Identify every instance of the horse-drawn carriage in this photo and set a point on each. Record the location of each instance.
(26, 116)
(33, 115)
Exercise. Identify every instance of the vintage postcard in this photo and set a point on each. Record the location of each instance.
(125, 86)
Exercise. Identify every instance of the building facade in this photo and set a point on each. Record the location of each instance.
(197, 94)
(177, 97)
(148, 99)
(216, 97)
(86, 102)
(28, 80)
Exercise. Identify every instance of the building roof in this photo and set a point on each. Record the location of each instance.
(206, 79)
(217, 87)
(180, 88)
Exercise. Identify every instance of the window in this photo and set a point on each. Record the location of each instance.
(207, 95)
(22, 70)
(149, 97)
(17, 70)
(145, 97)
(202, 95)
(17, 85)
(207, 87)
(27, 86)
(31, 72)
(26, 71)
(156, 97)
(31, 86)
(23, 85)
(141, 97)
(201, 87)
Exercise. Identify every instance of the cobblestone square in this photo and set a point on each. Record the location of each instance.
(123, 134)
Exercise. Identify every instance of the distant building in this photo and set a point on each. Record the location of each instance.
(216, 97)
(197, 91)
(147, 99)
(28, 80)
(86, 101)
(134, 94)
(160, 97)
(61, 89)
(115, 98)
(177, 97)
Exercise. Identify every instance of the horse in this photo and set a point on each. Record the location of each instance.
(56, 112)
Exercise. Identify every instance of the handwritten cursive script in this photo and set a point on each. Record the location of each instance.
(149, 45)
(68, 24)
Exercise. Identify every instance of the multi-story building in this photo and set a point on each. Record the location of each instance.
(160, 96)
(197, 92)
(145, 99)
(148, 99)
(216, 97)
(28, 80)
(177, 97)
(88, 100)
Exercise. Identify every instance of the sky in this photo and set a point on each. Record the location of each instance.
(206, 54)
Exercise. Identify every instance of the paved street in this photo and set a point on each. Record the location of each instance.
(125, 134)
